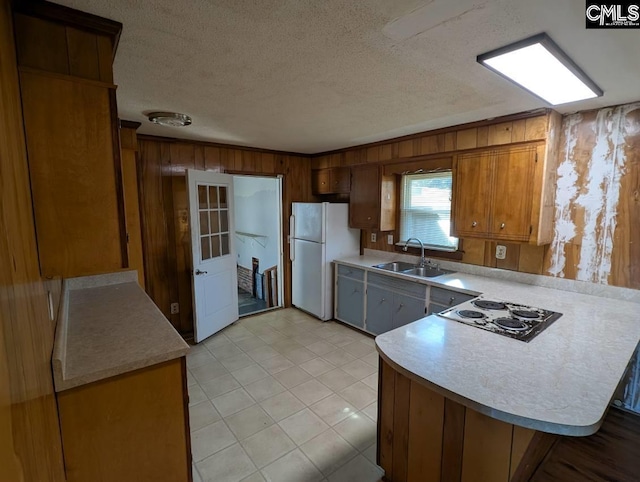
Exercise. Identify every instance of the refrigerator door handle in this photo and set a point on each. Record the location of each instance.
(292, 244)
(292, 226)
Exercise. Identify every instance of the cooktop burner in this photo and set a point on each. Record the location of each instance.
(511, 324)
(471, 314)
(489, 305)
(513, 320)
(531, 315)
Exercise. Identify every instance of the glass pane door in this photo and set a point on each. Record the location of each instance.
(213, 221)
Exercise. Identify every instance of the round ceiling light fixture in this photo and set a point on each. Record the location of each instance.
(170, 119)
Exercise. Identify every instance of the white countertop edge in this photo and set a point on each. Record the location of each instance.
(69, 383)
(98, 280)
(534, 424)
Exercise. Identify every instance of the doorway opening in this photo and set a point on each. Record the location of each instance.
(258, 242)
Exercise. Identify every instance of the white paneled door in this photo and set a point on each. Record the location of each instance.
(214, 274)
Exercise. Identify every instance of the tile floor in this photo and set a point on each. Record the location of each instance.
(284, 397)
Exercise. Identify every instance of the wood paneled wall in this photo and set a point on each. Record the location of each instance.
(30, 447)
(165, 220)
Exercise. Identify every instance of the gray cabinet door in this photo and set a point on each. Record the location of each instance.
(406, 310)
(350, 304)
(379, 310)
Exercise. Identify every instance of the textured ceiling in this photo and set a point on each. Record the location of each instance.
(311, 76)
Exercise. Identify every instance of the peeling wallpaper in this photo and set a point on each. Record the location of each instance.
(597, 177)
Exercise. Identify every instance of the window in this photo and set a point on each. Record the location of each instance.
(425, 210)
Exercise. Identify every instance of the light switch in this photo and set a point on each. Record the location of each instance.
(501, 251)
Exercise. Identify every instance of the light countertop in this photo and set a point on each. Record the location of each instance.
(561, 382)
(109, 326)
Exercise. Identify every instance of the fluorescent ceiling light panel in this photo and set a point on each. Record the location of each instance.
(538, 65)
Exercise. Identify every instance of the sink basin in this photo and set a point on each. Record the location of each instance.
(427, 272)
(395, 266)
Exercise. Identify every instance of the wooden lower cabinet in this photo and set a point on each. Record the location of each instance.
(129, 428)
(425, 437)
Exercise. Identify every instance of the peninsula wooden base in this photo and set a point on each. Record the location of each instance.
(425, 437)
(128, 428)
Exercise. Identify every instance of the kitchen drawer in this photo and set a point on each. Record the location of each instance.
(350, 272)
(410, 288)
(448, 298)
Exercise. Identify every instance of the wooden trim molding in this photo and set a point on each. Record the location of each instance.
(70, 78)
(147, 137)
(424, 163)
(119, 188)
(444, 130)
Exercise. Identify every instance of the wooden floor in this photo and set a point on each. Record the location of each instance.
(612, 454)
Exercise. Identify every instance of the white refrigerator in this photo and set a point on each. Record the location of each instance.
(319, 233)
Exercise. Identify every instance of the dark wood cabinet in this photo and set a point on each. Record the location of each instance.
(372, 202)
(334, 180)
(494, 194)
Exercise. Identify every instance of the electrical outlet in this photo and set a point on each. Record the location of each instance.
(501, 251)
(374, 237)
(389, 238)
(175, 308)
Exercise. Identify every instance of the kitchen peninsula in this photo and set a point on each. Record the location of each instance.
(460, 403)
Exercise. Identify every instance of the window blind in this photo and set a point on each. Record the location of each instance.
(425, 210)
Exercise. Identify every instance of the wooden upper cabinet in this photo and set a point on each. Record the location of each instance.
(334, 180)
(372, 202)
(71, 126)
(473, 194)
(495, 193)
(513, 181)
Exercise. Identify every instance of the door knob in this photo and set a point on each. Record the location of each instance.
(502, 226)
(474, 224)
(198, 272)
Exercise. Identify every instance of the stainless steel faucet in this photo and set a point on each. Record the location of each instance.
(406, 246)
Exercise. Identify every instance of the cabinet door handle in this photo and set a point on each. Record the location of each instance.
(451, 300)
(401, 306)
(502, 226)
(369, 218)
(474, 224)
(382, 300)
(356, 290)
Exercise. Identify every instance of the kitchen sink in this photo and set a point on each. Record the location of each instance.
(427, 272)
(412, 269)
(396, 266)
